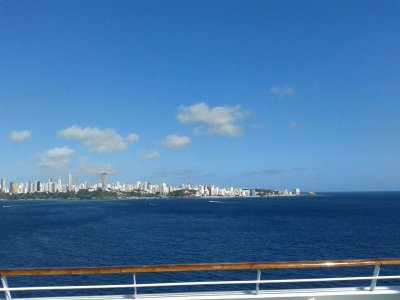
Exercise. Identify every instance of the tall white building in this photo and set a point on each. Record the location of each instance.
(59, 186)
(69, 183)
(49, 185)
(3, 185)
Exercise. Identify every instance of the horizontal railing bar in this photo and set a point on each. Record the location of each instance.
(200, 267)
(196, 283)
(328, 279)
(73, 287)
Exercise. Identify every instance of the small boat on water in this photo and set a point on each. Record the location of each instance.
(370, 290)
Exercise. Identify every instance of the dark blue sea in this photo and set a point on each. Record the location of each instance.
(42, 234)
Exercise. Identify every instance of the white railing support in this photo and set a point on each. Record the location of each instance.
(258, 281)
(134, 286)
(376, 274)
(5, 287)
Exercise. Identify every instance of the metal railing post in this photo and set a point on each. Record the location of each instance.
(134, 286)
(376, 274)
(258, 281)
(5, 286)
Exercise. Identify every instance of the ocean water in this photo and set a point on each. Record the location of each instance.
(172, 231)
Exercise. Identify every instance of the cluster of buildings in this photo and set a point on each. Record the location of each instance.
(142, 187)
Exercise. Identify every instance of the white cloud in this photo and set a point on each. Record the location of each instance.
(19, 136)
(218, 120)
(282, 91)
(131, 138)
(265, 172)
(274, 171)
(257, 126)
(150, 155)
(56, 158)
(176, 141)
(295, 125)
(99, 140)
(86, 167)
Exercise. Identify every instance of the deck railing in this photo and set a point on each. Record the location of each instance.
(259, 266)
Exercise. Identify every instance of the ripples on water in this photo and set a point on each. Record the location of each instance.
(136, 232)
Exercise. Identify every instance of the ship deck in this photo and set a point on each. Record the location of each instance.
(384, 293)
(260, 291)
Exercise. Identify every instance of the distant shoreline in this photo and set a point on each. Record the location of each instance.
(159, 198)
(189, 197)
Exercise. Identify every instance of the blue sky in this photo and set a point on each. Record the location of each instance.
(273, 94)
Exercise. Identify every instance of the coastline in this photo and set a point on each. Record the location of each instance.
(157, 198)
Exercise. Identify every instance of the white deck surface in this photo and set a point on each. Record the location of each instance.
(384, 293)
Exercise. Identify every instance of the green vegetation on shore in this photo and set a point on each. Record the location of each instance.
(182, 193)
(81, 194)
(266, 192)
(85, 194)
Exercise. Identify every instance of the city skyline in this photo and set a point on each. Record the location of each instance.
(51, 186)
(238, 93)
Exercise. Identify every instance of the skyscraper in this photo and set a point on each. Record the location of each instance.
(49, 185)
(69, 183)
(3, 185)
(59, 186)
(14, 187)
(103, 181)
(39, 186)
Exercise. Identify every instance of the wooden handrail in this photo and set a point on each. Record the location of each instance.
(201, 267)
